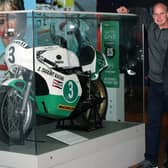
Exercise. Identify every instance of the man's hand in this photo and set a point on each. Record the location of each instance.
(122, 10)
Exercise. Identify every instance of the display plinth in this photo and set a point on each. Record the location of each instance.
(118, 145)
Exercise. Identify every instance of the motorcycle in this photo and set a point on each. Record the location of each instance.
(54, 82)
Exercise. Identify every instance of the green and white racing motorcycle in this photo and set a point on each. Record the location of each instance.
(54, 82)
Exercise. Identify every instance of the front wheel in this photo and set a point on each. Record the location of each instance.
(15, 125)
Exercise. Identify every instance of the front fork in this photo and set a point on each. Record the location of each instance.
(26, 96)
(26, 93)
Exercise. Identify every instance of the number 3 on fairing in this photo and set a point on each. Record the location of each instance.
(70, 91)
(11, 58)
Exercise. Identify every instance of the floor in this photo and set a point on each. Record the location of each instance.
(134, 113)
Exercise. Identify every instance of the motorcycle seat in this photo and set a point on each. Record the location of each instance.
(86, 55)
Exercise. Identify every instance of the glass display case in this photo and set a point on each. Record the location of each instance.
(64, 70)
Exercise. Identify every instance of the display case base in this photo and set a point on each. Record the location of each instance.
(116, 145)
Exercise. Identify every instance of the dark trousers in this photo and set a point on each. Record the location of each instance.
(156, 106)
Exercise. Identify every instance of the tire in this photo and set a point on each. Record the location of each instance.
(13, 125)
(99, 93)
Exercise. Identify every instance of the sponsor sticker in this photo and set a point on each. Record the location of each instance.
(64, 107)
(57, 84)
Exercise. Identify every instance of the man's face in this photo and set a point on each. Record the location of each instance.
(160, 15)
(7, 27)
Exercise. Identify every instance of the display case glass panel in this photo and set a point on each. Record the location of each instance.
(64, 70)
(17, 106)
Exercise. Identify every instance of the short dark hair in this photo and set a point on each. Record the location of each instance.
(160, 2)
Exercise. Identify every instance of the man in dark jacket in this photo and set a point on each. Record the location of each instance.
(158, 81)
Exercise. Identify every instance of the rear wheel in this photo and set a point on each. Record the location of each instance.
(97, 108)
(13, 124)
(98, 92)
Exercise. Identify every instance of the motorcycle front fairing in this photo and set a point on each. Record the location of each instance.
(63, 89)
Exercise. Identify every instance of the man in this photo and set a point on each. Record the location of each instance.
(157, 75)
